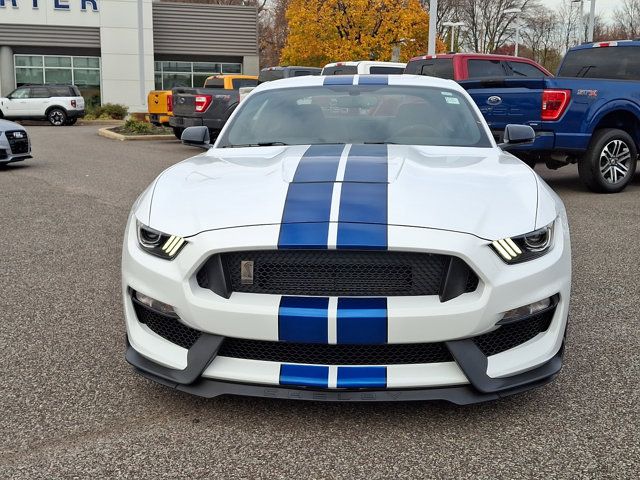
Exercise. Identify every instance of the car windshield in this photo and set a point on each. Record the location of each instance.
(341, 114)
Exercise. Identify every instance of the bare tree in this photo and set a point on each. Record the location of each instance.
(540, 36)
(627, 18)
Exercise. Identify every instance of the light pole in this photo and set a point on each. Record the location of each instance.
(433, 16)
(516, 12)
(592, 20)
(580, 20)
(453, 26)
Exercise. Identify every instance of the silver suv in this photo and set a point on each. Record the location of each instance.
(14, 143)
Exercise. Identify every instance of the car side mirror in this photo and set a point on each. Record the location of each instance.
(196, 137)
(515, 135)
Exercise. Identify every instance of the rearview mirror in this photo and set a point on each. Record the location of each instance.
(515, 135)
(196, 137)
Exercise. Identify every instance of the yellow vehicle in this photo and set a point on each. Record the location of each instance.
(160, 102)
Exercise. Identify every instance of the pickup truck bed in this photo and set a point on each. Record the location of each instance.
(594, 122)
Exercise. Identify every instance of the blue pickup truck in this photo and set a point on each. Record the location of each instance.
(589, 114)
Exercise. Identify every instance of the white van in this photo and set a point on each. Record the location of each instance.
(363, 68)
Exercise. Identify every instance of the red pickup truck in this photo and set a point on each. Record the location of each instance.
(464, 66)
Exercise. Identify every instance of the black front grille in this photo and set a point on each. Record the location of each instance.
(167, 327)
(514, 334)
(18, 145)
(324, 354)
(336, 273)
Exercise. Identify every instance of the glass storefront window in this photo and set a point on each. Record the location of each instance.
(169, 74)
(57, 62)
(58, 75)
(29, 75)
(28, 61)
(81, 71)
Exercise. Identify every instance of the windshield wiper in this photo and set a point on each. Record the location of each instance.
(380, 143)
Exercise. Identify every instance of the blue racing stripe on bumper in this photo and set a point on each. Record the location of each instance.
(303, 319)
(362, 377)
(304, 375)
(362, 320)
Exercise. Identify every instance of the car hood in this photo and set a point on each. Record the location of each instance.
(479, 191)
(8, 125)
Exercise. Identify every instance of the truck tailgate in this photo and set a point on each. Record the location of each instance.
(184, 102)
(505, 101)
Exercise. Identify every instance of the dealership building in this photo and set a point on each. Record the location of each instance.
(116, 51)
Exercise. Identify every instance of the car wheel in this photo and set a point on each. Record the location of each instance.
(71, 121)
(57, 117)
(177, 131)
(610, 162)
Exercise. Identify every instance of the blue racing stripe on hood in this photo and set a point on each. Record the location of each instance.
(363, 213)
(307, 209)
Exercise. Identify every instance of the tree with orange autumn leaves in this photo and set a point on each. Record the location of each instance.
(324, 31)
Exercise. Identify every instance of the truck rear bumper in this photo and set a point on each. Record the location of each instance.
(548, 141)
(184, 122)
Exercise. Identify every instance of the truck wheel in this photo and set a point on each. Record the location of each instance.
(610, 162)
(57, 117)
(177, 131)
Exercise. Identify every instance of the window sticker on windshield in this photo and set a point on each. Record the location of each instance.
(452, 100)
(446, 93)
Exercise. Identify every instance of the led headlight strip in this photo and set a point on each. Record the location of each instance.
(172, 246)
(507, 249)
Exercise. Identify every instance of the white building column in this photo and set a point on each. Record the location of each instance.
(126, 46)
(7, 74)
(250, 65)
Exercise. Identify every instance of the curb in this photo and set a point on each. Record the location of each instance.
(108, 133)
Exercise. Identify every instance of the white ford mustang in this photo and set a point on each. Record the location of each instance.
(349, 238)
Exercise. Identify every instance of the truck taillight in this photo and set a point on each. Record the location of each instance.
(554, 103)
(169, 103)
(202, 102)
(73, 103)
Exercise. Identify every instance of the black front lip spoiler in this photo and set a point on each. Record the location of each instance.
(471, 360)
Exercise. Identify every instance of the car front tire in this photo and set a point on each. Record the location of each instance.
(610, 162)
(57, 117)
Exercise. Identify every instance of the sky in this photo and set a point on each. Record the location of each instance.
(603, 7)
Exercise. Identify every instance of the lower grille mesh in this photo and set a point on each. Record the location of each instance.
(323, 354)
(512, 335)
(167, 327)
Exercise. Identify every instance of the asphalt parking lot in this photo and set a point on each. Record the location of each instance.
(72, 407)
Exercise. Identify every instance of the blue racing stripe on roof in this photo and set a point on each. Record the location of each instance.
(373, 80)
(307, 209)
(304, 375)
(338, 80)
(362, 320)
(362, 377)
(303, 319)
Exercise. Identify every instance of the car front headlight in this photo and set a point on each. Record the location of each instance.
(159, 244)
(525, 247)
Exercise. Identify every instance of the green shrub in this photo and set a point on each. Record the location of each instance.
(137, 128)
(108, 111)
(114, 110)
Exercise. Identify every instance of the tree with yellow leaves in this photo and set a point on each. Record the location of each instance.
(324, 31)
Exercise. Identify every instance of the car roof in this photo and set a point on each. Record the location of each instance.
(365, 62)
(611, 43)
(318, 80)
(284, 67)
(473, 55)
